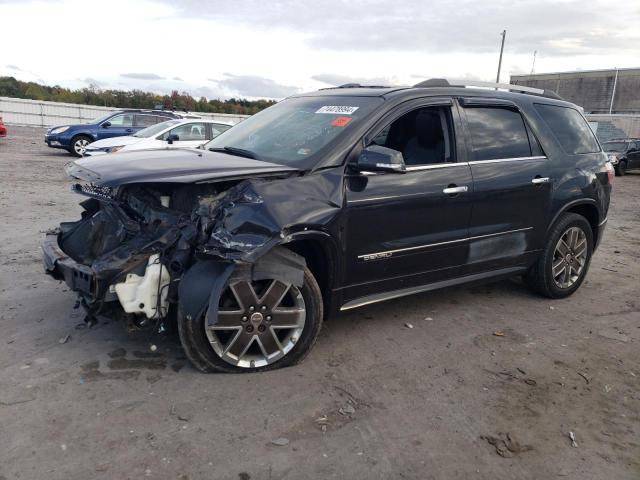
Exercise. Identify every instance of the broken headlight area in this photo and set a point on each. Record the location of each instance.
(136, 246)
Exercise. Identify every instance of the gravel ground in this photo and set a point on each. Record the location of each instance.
(487, 385)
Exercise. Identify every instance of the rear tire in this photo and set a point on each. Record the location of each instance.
(621, 169)
(79, 145)
(206, 349)
(564, 262)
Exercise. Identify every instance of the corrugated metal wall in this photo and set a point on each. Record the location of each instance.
(18, 111)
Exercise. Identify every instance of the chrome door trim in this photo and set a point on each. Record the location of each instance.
(435, 166)
(388, 253)
(501, 160)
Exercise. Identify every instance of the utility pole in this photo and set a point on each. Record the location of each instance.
(504, 34)
(533, 66)
(613, 93)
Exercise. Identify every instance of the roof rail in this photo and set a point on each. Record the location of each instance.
(355, 85)
(443, 82)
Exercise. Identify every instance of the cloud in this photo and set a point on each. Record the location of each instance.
(337, 79)
(569, 27)
(13, 67)
(255, 86)
(178, 79)
(92, 81)
(142, 76)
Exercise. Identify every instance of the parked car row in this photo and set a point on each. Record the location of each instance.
(131, 127)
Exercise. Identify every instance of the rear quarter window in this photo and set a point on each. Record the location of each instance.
(570, 128)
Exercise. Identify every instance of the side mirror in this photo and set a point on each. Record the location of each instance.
(106, 124)
(172, 138)
(380, 159)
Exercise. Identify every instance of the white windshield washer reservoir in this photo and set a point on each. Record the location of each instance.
(140, 294)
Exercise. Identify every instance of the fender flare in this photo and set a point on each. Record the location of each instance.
(203, 284)
(574, 203)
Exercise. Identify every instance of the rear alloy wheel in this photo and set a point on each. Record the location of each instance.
(563, 264)
(261, 325)
(621, 169)
(79, 145)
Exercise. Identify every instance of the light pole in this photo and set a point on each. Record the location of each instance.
(504, 34)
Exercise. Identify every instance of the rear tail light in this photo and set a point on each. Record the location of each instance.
(610, 172)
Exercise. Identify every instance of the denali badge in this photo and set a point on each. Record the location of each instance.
(375, 256)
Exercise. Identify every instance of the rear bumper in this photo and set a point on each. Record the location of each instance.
(59, 265)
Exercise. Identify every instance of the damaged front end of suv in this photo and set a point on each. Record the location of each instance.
(196, 235)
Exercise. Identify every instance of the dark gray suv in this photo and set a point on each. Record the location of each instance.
(329, 201)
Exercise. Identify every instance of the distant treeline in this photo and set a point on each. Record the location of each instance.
(92, 95)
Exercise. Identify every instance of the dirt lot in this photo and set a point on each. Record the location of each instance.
(448, 399)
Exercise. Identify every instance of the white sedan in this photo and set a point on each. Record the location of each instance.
(170, 134)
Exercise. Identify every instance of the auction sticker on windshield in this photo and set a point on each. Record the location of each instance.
(337, 109)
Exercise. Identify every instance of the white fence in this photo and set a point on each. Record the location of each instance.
(18, 111)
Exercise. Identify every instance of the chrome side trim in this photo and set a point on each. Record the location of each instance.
(501, 160)
(434, 166)
(603, 221)
(381, 297)
(388, 253)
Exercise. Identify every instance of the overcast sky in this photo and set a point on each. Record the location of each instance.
(273, 48)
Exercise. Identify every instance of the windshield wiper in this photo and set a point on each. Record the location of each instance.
(239, 152)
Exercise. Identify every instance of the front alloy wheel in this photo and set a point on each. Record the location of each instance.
(80, 146)
(261, 325)
(258, 323)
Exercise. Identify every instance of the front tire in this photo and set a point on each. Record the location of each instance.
(261, 326)
(621, 169)
(564, 262)
(79, 145)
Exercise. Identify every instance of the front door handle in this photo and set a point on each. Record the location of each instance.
(540, 180)
(454, 190)
(129, 130)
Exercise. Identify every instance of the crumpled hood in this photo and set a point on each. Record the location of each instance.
(162, 165)
(114, 142)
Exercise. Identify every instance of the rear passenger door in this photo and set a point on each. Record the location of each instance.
(511, 185)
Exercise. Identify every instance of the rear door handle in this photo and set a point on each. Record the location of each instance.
(453, 190)
(540, 180)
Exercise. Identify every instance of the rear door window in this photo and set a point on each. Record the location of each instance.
(497, 133)
(122, 120)
(142, 120)
(570, 128)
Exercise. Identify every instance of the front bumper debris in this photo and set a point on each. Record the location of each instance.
(59, 265)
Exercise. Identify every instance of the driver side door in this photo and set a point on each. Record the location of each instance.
(404, 230)
(117, 126)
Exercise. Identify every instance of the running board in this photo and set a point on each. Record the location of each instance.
(476, 277)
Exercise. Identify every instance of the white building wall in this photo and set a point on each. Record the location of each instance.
(18, 111)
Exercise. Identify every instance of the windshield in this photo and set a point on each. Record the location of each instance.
(296, 131)
(614, 146)
(155, 129)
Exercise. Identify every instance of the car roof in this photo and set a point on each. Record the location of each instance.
(441, 87)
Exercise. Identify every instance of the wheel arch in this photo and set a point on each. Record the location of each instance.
(588, 208)
(320, 252)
